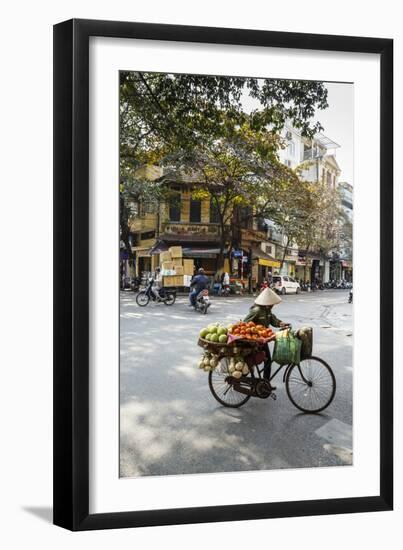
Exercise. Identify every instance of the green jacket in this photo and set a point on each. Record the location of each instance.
(262, 315)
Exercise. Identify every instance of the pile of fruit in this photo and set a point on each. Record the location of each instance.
(208, 361)
(215, 333)
(250, 331)
(236, 365)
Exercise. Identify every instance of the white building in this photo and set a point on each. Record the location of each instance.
(318, 157)
(346, 253)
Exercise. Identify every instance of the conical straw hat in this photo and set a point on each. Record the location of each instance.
(267, 298)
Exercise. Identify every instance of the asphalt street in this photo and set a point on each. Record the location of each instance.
(171, 424)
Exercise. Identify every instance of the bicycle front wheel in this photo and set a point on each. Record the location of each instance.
(311, 385)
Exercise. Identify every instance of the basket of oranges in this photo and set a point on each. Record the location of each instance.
(250, 332)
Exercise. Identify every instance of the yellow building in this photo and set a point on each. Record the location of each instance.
(179, 219)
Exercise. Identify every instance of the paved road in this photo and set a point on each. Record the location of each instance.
(170, 422)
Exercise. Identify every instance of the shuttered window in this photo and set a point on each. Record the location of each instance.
(195, 211)
(175, 207)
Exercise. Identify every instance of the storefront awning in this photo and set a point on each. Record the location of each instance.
(264, 259)
(142, 252)
(200, 252)
(269, 263)
(160, 246)
(196, 251)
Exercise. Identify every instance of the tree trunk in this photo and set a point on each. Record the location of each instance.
(223, 235)
(220, 259)
(284, 253)
(306, 262)
(125, 229)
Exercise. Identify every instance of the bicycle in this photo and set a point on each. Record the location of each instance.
(310, 384)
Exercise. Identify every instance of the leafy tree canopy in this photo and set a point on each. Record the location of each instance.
(161, 112)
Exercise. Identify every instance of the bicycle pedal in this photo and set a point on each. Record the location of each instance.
(273, 396)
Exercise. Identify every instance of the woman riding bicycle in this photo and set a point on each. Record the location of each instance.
(261, 314)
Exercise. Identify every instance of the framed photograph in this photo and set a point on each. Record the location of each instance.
(223, 271)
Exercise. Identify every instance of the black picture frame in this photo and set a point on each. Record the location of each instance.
(71, 274)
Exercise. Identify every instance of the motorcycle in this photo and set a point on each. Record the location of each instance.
(125, 282)
(135, 284)
(350, 297)
(225, 291)
(165, 295)
(202, 301)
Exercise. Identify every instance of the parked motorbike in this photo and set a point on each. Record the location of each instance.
(225, 290)
(165, 295)
(304, 286)
(125, 282)
(202, 301)
(135, 284)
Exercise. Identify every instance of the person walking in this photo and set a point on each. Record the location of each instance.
(225, 283)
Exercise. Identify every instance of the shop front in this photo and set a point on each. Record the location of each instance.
(204, 252)
(144, 262)
(303, 269)
(347, 270)
(335, 270)
(239, 267)
(266, 266)
(205, 257)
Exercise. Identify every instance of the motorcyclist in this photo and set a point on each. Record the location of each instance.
(199, 283)
(261, 314)
(157, 282)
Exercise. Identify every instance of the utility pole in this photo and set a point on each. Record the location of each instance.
(250, 270)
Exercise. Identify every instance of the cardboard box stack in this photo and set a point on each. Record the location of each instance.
(188, 267)
(165, 256)
(175, 270)
(176, 252)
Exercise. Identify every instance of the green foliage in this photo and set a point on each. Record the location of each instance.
(312, 218)
(197, 124)
(161, 113)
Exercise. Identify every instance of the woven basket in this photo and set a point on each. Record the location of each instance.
(242, 347)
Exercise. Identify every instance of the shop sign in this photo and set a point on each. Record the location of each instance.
(194, 229)
(269, 263)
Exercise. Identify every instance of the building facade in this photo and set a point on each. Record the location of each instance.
(177, 220)
(256, 249)
(316, 159)
(346, 252)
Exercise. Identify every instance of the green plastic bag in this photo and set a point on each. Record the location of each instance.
(287, 348)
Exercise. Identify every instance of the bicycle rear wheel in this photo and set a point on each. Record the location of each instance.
(311, 385)
(224, 392)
